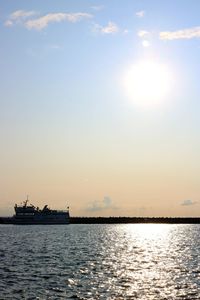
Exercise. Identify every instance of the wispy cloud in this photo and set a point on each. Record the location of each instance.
(8, 23)
(44, 21)
(110, 28)
(188, 202)
(140, 14)
(97, 7)
(19, 16)
(26, 18)
(105, 204)
(189, 33)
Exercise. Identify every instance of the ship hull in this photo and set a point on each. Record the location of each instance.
(41, 220)
(38, 223)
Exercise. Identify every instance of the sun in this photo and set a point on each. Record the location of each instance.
(147, 83)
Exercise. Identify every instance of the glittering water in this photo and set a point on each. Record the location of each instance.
(137, 261)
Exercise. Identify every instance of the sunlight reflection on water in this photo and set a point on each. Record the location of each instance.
(134, 261)
(150, 231)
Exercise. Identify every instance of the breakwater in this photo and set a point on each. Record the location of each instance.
(134, 220)
(123, 220)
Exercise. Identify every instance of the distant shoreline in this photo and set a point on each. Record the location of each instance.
(123, 220)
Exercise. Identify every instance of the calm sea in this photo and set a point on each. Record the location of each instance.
(134, 261)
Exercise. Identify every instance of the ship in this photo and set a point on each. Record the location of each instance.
(28, 214)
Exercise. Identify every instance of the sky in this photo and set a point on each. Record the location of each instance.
(99, 106)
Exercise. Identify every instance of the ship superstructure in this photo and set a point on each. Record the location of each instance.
(29, 214)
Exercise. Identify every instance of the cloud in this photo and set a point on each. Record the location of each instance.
(97, 7)
(189, 33)
(27, 19)
(143, 33)
(43, 21)
(19, 16)
(8, 23)
(140, 14)
(188, 202)
(111, 28)
(105, 204)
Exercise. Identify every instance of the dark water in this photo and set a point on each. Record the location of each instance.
(100, 262)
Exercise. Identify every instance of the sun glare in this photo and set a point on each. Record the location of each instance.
(147, 83)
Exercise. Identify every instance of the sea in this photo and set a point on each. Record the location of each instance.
(115, 261)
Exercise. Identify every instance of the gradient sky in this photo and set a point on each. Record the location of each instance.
(69, 133)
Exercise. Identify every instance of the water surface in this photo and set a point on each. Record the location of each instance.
(133, 261)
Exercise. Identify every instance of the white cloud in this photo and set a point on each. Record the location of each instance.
(19, 16)
(111, 28)
(189, 33)
(140, 14)
(43, 21)
(143, 33)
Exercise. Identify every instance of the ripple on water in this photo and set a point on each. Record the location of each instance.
(137, 261)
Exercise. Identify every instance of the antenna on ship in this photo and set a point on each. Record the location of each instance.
(26, 201)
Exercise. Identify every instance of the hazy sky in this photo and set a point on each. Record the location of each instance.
(100, 105)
